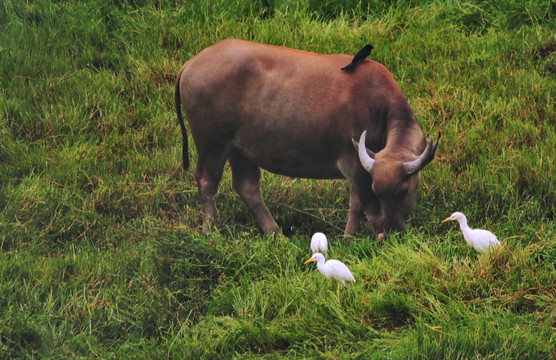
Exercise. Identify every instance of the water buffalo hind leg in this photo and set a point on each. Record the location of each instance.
(246, 182)
(208, 173)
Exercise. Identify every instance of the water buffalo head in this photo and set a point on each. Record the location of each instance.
(395, 180)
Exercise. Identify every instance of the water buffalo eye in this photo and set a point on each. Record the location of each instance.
(403, 192)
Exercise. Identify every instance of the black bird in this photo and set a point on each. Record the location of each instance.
(363, 53)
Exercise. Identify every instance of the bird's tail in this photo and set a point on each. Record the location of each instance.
(177, 103)
(349, 67)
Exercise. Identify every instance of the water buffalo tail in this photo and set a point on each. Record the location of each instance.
(177, 103)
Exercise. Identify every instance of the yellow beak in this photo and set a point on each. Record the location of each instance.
(317, 246)
(309, 260)
(447, 219)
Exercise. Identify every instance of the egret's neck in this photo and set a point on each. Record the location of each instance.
(463, 223)
(465, 230)
(320, 262)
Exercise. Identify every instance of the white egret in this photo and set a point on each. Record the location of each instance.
(319, 243)
(479, 239)
(334, 269)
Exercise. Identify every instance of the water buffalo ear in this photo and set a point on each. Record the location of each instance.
(356, 145)
(412, 167)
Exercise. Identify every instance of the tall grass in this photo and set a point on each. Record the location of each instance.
(101, 253)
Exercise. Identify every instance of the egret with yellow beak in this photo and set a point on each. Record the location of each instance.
(479, 239)
(334, 269)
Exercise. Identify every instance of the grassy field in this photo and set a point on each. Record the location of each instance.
(101, 250)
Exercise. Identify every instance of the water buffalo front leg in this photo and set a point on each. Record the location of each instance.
(355, 214)
(362, 202)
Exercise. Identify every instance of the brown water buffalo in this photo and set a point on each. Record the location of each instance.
(296, 113)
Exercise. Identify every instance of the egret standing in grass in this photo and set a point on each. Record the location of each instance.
(479, 239)
(319, 243)
(334, 269)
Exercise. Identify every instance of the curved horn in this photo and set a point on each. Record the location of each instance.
(412, 167)
(366, 160)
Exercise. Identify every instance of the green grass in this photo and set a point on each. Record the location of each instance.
(101, 251)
